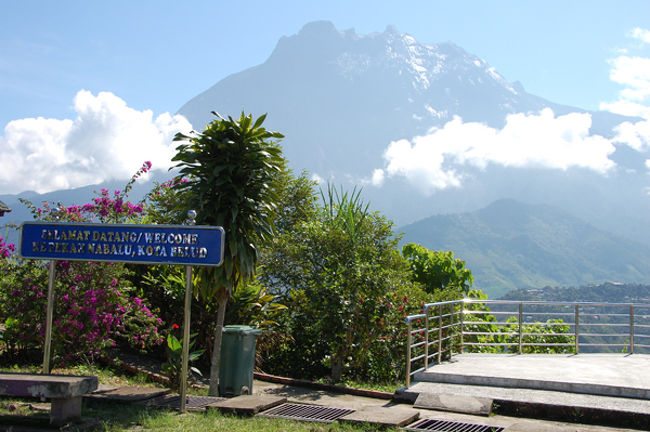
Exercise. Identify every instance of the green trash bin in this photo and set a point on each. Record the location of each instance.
(237, 360)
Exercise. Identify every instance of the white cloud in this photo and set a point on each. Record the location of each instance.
(318, 179)
(641, 34)
(439, 160)
(107, 140)
(633, 73)
(635, 135)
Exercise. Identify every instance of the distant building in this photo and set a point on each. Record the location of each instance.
(4, 208)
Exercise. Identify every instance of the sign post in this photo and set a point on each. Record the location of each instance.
(191, 215)
(50, 309)
(145, 244)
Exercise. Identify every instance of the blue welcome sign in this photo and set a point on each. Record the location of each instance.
(145, 244)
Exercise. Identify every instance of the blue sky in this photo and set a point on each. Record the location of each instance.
(156, 55)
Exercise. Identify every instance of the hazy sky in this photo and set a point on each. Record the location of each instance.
(141, 60)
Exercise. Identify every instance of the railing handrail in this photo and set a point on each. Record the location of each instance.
(533, 302)
(562, 303)
(450, 328)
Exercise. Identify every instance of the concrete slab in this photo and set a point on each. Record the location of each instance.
(384, 416)
(543, 397)
(476, 405)
(248, 404)
(615, 375)
(317, 397)
(307, 395)
(549, 404)
(128, 394)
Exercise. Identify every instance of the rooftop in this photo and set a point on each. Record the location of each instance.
(4, 208)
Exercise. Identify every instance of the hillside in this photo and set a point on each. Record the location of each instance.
(607, 292)
(510, 245)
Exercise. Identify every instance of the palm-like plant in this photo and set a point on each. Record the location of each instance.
(233, 168)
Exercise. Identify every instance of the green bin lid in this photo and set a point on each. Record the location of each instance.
(241, 329)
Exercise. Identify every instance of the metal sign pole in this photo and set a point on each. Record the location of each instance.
(50, 310)
(48, 319)
(191, 215)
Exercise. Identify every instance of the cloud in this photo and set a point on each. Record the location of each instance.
(106, 141)
(635, 135)
(318, 179)
(441, 159)
(633, 73)
(641, 34)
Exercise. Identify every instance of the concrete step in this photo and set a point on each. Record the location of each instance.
(547, 404)
(606, 375)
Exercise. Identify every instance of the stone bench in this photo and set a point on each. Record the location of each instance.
(64, 391)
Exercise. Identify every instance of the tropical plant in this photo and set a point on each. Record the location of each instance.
(437, 270)
(173, 366)
(232, 170)
(339, 271)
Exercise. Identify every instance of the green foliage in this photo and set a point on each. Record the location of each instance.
(252, 305)
(552, 331)
(341, 276)
(487, 330)
(231, 169)
(437, 270)
(173, 368)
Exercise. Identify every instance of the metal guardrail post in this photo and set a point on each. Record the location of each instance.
(439, 334)
(408, 352)
(426, 338)
(631, 329)
(48, 318)
(451, 329)
(462, 327)
(577, 330)
(521, 327)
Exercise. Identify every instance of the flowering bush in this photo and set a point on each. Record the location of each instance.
(106, 207)
(94, 307)
(6, 249)
(91, 310)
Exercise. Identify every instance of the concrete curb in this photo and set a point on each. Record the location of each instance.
(320, 386)
(161, 379)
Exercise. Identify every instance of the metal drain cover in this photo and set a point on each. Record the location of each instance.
(173, 401)
(309, 413)
(433, 425)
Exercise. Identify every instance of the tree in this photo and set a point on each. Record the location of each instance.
(437, 270)
(232, 171)
(338, 272)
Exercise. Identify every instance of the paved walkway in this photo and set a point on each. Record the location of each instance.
(511, 424)
(601, 374)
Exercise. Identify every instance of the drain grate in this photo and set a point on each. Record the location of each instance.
(172, 401)
(434, 425)
(310, 413)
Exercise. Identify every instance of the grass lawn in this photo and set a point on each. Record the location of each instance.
(116, 417)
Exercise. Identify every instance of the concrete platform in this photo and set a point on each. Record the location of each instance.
(384, 416)
(513, 396)
(127, 394)
(615, 375)
(454, 402)
(248, 405)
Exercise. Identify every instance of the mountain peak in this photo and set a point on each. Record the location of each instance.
(318, 28)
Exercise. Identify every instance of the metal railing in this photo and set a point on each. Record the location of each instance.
(503, 326)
